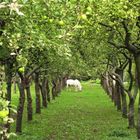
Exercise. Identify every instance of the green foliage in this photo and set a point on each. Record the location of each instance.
(4, 111)
(4, 53)
(4, 119)
(97, 81)
(66, 37)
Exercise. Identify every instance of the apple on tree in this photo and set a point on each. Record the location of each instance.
(83, 16)
(61, 23)
(21, 69)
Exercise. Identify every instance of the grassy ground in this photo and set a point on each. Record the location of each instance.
(86, 115)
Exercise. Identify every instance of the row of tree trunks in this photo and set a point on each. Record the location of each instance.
(57, 85)
(119, 97)
(104, 82)
(115, 92)
(41, 88)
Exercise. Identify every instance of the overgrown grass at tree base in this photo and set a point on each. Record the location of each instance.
(86, 115)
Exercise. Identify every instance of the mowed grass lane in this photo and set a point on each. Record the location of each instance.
(86, 115)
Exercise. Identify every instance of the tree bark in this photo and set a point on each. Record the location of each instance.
(64, 81)
(124, 104)
(123, 95)
(53, 89)
(58, 86)
(29, 104)
(131, 113)
(48, 90)
(44, 92)
(37, 91)
(137, 62)
(20, 107)
(113, 91)
(117, 93)
(138, 121)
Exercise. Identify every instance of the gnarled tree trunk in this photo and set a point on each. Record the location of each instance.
(20, 107)
(29, 103)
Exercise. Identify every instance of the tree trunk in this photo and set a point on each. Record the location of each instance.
(138, 121)
(131, 114)
(61, 83)
(107, 84)
(44, 92)
(58, 87)
(64, 81)
(113, 91)
(48, 91)
(123, 95)
(118, 97)
(37, 91)
(9, 85)
(124, 104)
(29, 103)
(137, 62)
(20, 107)
(118, 91)
(53, 89)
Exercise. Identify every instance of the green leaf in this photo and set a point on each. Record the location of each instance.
(4, 113)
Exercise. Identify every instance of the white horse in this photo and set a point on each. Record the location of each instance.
(76, 83)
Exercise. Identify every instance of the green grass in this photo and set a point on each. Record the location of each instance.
(86, 115)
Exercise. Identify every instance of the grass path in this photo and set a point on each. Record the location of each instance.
(86, 115)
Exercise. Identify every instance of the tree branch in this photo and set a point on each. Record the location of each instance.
(105, 25)
(130, 47)
(120, 82)
(35, 69)
(115, 45)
